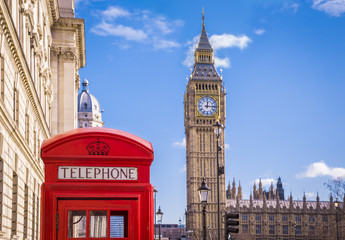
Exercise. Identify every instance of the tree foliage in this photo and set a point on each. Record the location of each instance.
(337, 188)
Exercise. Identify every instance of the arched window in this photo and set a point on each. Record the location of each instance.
(85, 105)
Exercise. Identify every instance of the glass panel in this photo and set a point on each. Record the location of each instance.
(98, 224)
(118, 224)
(76, 224)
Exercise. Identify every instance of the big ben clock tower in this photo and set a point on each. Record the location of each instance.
(204, 105)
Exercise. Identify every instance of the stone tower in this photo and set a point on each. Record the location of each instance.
(89, 110)
(204, 104)
(280, 189)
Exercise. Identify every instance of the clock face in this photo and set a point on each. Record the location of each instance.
(207, 106)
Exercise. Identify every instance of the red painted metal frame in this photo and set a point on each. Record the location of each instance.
(69, 149)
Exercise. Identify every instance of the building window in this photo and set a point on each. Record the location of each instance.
(284, 218)
(85, 124)
(324, 218)
(325, 230)
(298, 218)
(311, 230)
(15, 105)
(298, 230)
(85, 115)
(271, 229)
(311, 219)
(285, 229)
(244, 228)
(244, 217)
(271, 218)
(258, 229)
(14, 202)
(85, 105)
(257, 217)
(27, 128)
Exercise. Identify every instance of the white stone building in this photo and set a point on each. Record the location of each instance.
(42, 47)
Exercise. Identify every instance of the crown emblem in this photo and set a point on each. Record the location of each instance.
(98, 148)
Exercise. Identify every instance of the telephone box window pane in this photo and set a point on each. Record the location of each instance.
(76, 224)
(118, 224)
(98, 224)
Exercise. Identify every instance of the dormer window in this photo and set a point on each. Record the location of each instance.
(85, 105)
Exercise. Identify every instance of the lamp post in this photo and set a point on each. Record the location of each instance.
(159, 215)
(336, 204)
(217, 127)
(203, 194)
(155, 197)
(180, 222)
(337, 217)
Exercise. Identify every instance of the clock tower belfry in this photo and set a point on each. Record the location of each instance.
(204, 105)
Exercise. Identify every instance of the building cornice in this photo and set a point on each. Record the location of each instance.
(75, 25)
(53, 11)
(8, 31)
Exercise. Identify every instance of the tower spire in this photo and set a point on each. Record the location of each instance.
(204, 68)
(203, 44)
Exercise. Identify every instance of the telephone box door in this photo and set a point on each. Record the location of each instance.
(98, 219)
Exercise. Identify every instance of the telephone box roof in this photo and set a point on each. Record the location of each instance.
(87, 134)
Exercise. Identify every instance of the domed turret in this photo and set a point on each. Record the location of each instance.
(89, 110)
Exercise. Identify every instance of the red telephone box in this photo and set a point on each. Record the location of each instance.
(97, 186)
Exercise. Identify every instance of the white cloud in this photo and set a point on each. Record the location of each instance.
(165, 44)
(191, 46)
(294, 7)
(288, 6)
(183, 169)
(115, 12)
(259, 31)
(221, 62)
(265, 181)
(309, 194)
(218, 42)
(106, 29)
(332, 7)
(318, 169)
(229, 41)
(138, 26)
(182, 143)
(161, 24)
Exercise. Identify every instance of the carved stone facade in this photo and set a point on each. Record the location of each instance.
(287, 219)
(267, 216)
(258, 194)
(41, 51)
(204, 104)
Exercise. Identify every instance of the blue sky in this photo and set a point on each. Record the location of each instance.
(283, 68)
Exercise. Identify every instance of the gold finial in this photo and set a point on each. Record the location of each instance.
(203, 13)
